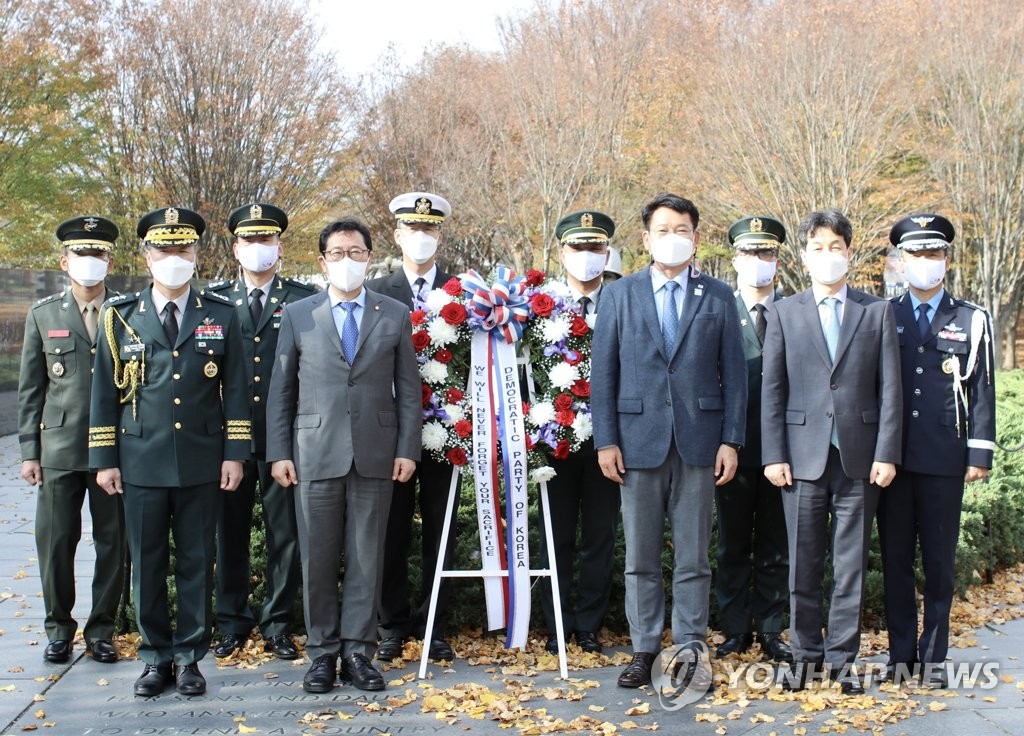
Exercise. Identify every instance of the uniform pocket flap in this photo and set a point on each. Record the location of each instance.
(710, 403)
(795, 417)
(59, 346)
(307, 421)
(209, 347)
(631, 406)
(53, 415)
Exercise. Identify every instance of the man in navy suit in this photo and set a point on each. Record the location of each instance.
(669, 391)
(949, 420)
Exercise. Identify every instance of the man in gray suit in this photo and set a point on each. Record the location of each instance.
(343, 424)
(831, 421)
(669, 400)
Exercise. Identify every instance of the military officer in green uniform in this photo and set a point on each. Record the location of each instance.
(170, 430)
(259, 295)
(53, 402)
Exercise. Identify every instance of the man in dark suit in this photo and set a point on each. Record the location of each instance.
(419, 217)
(753, 558)
(669, 398)
(831, 417)
(170, 429)
(54, 387)
(259, 294)
(343, 424)
(949, 431)
(581, 499)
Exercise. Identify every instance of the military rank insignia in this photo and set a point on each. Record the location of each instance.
(58, 369)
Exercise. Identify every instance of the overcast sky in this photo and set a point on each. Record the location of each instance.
(360, 31)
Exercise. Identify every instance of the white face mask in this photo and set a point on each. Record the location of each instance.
(346, 274)
(257, 257)
(172, 271)
(418, 246)
(924, 273)
(87, 270)
(671, 250)
(826, 267)
(754, 272)
(584, 265)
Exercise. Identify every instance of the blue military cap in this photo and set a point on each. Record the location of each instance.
(922, 232)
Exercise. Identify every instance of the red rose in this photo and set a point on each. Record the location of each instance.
(562, 450)
(581, 388)
(453, 313)
(534, 277)
(453, 396)
(572, 357)
(418, 317)
(530, 444)
(563, 401)
(542, 304)
(463, 428)
(443, 356)
(565, 417)
(526, 408)
(579, 326)
(420, 340)
(453, 287)
(457, 456)
(427, 394)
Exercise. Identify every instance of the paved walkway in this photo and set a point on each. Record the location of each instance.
(89, 698)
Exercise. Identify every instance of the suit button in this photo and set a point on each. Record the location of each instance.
(917, 392)
(668, 402)
(93, 351)
(42, 426)
(177, 376)
(671, 370)
(915, 413)
(919, 370)
(256, 359)
(834, 386)
(256, 399)
(177, 401)
(175, 353)
(256, 379)
(256, 339)
(177, 425)
(920, 348)
(828, 414)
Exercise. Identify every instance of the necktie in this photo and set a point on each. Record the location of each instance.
(585, 303)
(256, 305)
(418, 295)
(832, 330)
(923, 325)
(760, 324)
(349, 332)
(90, 318)
(171, 322)
(670, 317)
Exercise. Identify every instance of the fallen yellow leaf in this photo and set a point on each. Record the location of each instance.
(242, 728)
(639, 710)
(935, 706)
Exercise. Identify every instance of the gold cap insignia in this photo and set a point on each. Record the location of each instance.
(756, 225)
(91, 223)
(255, 212)
(171, 216)
(921, 221)
(423, 206)
(586, 220)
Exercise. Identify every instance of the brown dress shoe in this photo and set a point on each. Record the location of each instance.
(638, 671)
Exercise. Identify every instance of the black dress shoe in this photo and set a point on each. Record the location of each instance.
(102, 650)
(851, 685)
(773, 648)
(587, 641)
(58, 651)
(899, 673)
(229, 644)
(321, 675)
(933, 676)
(282, 646)
(155, 678)
(734, 644)
(390, 648)
(638, 671)
(191, 680)
(798, 674)
(552, 646)
(440, 651)
(356, 668)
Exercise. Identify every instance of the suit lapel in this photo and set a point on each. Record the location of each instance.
(325, 320)
(275, 295)
(691, 305)
(644, 296)
(371, 317)
(194, 313)
(943, 314)
(906, 323)
(399, 286)
(853, 312)
(812, 324)
(147, 320)
(747, 326)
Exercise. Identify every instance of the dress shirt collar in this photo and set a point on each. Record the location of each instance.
(360, 299)
(429, 277)
(160, 301)
(819, 294)
(95, 303)
(934, 302)
(658, 279)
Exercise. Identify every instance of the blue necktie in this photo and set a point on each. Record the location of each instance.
(349, 332)
(670, 317)
(923, 325)
(832, 331)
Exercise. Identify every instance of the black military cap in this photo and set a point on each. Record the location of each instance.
(922, 232)
(757, 233)
(87, 233)
(171, 226)
(253, 220)
(420, 207)
(585, 226)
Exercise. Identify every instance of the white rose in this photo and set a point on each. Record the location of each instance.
(434, 435)
(563, 376)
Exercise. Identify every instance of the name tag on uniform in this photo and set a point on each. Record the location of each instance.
(133, 347)
(58, 333)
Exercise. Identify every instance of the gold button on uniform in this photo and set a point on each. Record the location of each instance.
(177, 376)
(256, 379)
(175, 353)
(256, 399)
(57, 350)
(256, 359)
(177, 401)
(177, 425)
(256, 339)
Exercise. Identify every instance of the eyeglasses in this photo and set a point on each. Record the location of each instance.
(766, 254)
(356, 254)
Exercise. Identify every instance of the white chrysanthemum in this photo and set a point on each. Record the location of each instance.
(434, 372)
(556, 288)
(583, 426)
(437, 298)
(455, 413)
(556, 329)
(541, 413)
(434, 436)
(563, 375)
(441, 333)
(541, 475)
